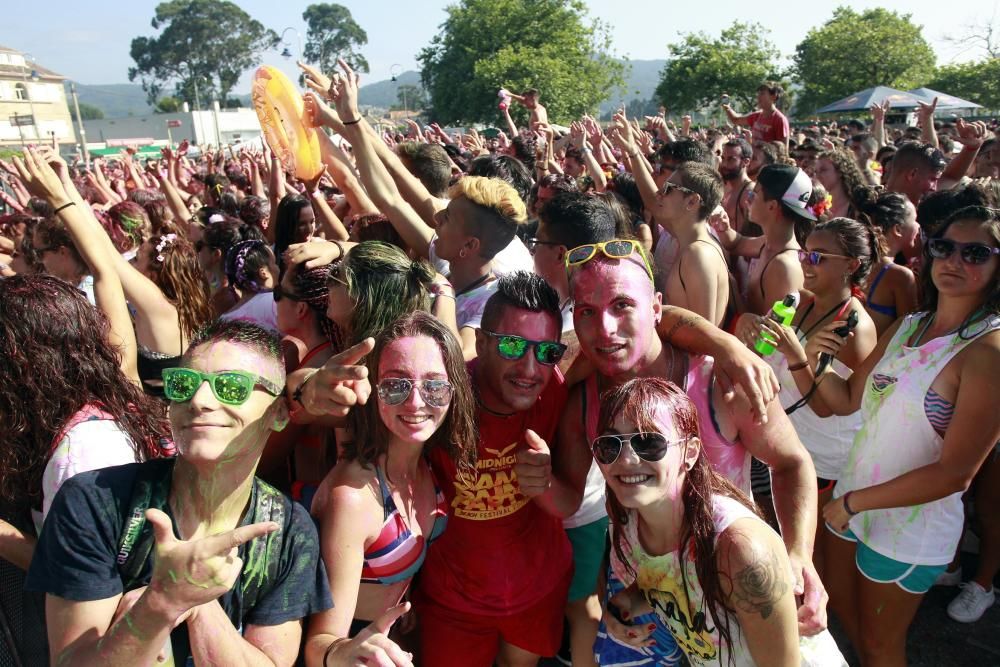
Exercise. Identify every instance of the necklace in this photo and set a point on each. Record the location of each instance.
(482, 280)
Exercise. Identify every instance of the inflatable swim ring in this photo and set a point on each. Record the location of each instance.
(279, 108)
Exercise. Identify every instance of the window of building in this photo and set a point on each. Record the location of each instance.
(20, 92)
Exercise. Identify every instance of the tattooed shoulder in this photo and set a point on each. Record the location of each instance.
(758, 577)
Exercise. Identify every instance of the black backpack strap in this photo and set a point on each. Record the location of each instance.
(151, 489)
(263, 554)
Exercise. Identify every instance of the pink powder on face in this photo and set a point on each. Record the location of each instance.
(615, 313)
(415, 358)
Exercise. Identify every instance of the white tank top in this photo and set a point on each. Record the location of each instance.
(681, 608)
(827, 439)
(896, 437)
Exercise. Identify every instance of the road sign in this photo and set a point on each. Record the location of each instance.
(20, 121)
(174, 123)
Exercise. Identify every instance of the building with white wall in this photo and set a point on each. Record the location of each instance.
(33, 104)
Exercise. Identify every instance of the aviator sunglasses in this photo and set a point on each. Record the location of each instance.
(647, 446)
(814, 257)
(971, 253)
(393, 391)
(229, 387)
(512, 348)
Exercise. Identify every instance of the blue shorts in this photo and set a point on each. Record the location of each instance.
(609, 652)
(916, 579)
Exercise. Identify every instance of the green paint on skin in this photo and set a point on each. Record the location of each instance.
(187, 578)
(173, 577)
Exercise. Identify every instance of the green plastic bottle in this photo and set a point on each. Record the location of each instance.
(782, 312)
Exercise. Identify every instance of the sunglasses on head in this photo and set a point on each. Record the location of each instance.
(278, 293)
(614, 249)
(229, 387)
(971, 253)
(393, 391)
(814, 257)
(647, 446)
(512, 348)
(333, 277)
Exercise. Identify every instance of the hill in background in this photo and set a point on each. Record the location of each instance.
(128, 99)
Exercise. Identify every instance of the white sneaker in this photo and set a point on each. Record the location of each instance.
(970, 605)
(947, 578)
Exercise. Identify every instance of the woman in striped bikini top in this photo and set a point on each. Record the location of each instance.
(383, 506)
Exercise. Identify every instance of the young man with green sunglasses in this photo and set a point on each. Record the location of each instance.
(190, 557)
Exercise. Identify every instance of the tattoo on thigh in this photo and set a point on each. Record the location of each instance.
(760, 585)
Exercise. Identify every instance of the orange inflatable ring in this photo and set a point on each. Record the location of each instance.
(279, 108)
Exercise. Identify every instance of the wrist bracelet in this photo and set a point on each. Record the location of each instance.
(350, 122)
(847, 506)
(340, 247)
(297, 394)
(65, 206)
(332, 647)
(798, 367)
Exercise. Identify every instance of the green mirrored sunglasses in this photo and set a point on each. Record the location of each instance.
(229, 387)
(512, 348)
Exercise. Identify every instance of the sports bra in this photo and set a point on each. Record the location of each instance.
(397, 554)
(882, 310)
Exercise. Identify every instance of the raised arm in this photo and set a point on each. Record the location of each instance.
(86, 232)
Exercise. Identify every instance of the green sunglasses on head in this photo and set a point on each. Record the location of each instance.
(229, 387)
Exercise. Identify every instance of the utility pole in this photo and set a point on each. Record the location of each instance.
(79, 124)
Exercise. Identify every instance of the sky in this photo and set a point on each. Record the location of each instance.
(89, 41)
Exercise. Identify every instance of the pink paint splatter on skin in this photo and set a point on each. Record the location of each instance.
(615, 314)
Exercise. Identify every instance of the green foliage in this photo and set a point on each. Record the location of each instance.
(517, 44)
(333, 33)
(210, 41)
(700, 69)
(977, 82)
(410, 97)
(168, 104)
(855, 51)
(88, 111)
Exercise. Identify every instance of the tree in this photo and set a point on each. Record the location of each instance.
(700, 69)
(855, 51)
(409, 96)
(87, 111)
(208, 42)
(977, 82)
(550, 45)
(983, 36)
(168, 104)
(331, 33)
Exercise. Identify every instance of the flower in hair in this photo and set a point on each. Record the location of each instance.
(165, 242)
(822, 206)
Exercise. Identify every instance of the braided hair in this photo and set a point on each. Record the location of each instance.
(244, 262)
(312, 289)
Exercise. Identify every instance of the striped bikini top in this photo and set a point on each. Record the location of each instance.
(397, 554)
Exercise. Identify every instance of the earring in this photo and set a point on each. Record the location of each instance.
(462, 253)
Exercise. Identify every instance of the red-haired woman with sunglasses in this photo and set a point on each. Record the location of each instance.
(701, 557)
(927, 396)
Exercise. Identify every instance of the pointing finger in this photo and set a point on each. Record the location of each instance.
(222, 544)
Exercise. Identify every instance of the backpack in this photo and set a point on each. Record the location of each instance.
(151, 489)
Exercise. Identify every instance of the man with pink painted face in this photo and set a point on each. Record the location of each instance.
(616, 315)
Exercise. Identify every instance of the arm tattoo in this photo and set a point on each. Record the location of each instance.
(760, 585)
(684, 321)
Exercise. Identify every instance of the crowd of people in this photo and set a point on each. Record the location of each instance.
(625, 394)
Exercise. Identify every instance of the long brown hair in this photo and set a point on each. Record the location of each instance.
(457, 435)
(637, 401)
(55, 358)
(176, 271)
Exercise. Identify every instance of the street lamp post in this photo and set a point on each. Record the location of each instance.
(285, 53)
(397, 70)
